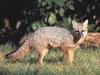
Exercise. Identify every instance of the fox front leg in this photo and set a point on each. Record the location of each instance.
(69, 55)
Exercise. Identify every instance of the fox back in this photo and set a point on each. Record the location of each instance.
(56, 36)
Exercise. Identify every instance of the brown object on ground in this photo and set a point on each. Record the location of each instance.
(92, 40)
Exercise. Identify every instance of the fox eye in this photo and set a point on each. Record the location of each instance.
(83, 30)
(77, 32)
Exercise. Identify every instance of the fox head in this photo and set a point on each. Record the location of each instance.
(80, 29)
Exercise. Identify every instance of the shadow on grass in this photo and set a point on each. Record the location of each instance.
(54, 60)
(33, 60)
(3, 71)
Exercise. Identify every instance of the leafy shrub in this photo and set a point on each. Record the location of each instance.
(49, 12)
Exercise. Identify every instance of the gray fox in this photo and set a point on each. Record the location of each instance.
(43, 38)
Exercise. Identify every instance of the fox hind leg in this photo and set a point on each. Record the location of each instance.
(41, 54)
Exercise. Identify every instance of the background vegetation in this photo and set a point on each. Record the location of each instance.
(20, 17)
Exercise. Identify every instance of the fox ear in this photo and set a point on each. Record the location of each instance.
(85, 23)
(75, 25)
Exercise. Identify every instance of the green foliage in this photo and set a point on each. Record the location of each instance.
(56, 2)
(52, 19)
(53, 11)
(70, 5)
(92, 28)
(98, 29)
(67, 23)
(61, 12)
(37, 25)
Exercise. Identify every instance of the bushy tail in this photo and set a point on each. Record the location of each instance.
(19, 53)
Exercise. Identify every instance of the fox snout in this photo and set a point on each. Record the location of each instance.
(80, 33)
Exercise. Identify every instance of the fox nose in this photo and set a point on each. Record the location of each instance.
(80, 33)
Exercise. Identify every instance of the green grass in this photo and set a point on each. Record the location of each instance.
(86, 62)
